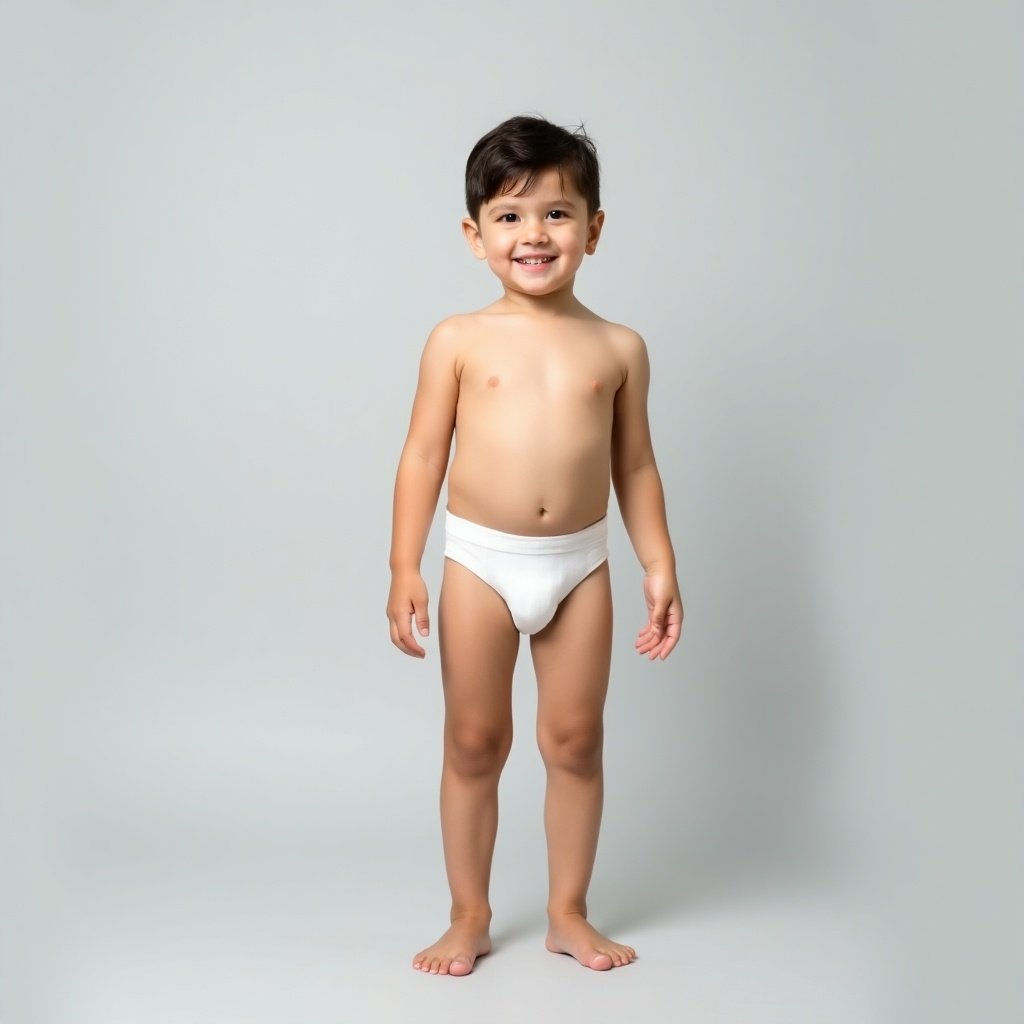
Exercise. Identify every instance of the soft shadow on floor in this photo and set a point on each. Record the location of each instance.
(671, 893)
(508, 932)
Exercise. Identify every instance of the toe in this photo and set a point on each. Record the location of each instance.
(600, 961)
(460, 967)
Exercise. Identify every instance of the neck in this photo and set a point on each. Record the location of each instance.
(560, 303)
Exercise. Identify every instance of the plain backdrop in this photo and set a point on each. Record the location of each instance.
(227, 229)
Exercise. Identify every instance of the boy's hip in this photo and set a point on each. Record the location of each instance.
(594, 535)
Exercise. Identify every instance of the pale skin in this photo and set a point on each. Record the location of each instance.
(548, 403)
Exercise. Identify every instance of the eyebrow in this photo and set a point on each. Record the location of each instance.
(513, 202)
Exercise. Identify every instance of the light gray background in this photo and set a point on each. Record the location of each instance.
(227, 230)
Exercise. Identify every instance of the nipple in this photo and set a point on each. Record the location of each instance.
(492, 382)
(596, 385)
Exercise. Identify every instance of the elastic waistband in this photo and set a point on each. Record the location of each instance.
(495, 540)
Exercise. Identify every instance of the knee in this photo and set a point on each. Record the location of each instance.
(476, 751)
(576, 750)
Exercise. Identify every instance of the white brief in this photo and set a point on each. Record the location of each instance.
(532, 574)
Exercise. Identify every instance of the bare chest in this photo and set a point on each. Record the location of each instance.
(571, 377)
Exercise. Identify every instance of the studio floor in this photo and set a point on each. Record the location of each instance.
(212, 942)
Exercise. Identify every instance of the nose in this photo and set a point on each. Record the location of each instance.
(534, 231)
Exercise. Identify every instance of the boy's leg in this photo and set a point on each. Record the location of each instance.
(572, 658)
(479, 644)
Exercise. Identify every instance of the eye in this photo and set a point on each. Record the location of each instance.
(507, 218)
(557, 214)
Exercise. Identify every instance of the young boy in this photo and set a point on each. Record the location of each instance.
(548, 403)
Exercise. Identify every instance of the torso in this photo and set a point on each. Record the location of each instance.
(533, 424)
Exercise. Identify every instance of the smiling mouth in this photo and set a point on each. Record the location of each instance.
(531, 261)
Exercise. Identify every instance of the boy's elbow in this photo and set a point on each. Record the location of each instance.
(435, 460)
(623, 471)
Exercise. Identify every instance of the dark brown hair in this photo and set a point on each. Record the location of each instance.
(520, 149)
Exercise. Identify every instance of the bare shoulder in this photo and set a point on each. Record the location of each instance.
(458, 330)
(446, 343)
(449, 333)
(629, 347)
(625, 339)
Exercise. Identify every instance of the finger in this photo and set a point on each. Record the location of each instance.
(647, 630)
(404, 640)
(653, 638)
(658, 615)
(646, 640)
(668, 647)
(410, 647)
(672, 633)
(409, 644)
(422, 618)
(654, 628)
(410, 640)
(655, 651)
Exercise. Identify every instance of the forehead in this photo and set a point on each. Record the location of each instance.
(550, 185)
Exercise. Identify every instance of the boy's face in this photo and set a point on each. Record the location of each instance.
(535, 242)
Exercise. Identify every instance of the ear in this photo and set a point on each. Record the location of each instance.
(594, 231)
(472, 232)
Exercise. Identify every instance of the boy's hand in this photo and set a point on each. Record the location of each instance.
(407, 601)
(665, 616)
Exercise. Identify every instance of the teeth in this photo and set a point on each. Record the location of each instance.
(531, 262)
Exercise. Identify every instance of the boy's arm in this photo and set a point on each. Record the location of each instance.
(421, 471)
(642, 503)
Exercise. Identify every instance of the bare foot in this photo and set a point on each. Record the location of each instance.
(456, 951)
(573, 934)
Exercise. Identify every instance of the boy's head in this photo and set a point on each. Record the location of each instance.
(518, 150)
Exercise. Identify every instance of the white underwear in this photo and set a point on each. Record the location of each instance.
(532, 574)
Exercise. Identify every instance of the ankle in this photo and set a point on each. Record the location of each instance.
(563, 910)
(471, 913)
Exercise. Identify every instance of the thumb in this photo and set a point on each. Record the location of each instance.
(422, 618)
(658, 614)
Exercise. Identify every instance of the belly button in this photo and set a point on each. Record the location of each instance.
(542, 511)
